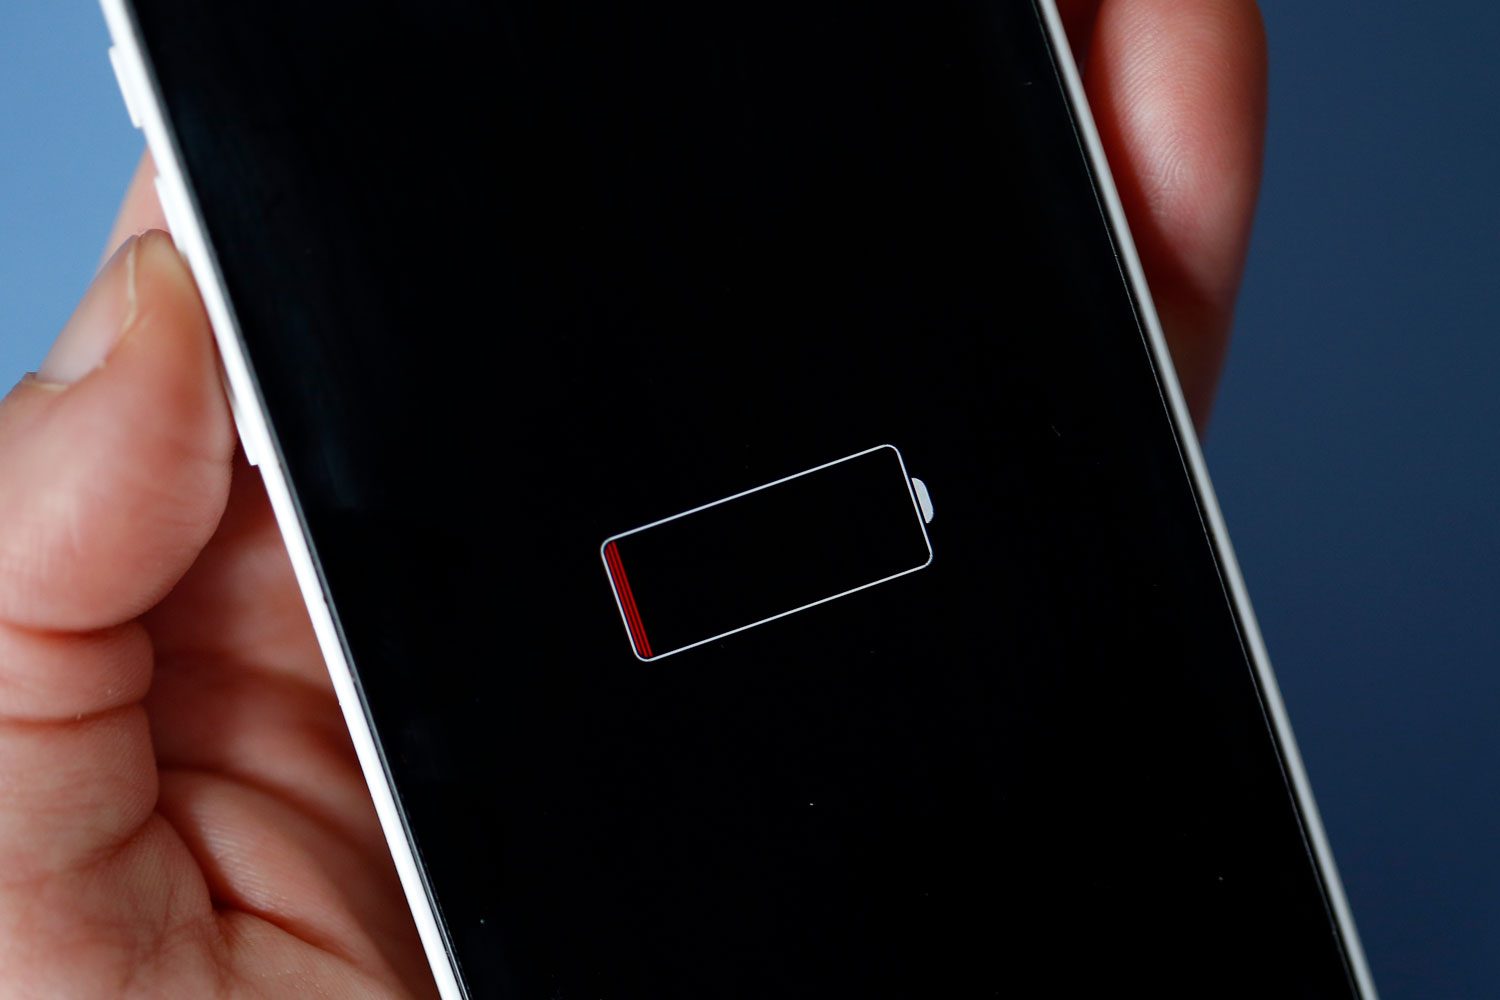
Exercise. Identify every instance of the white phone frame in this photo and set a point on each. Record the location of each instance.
(143, 101)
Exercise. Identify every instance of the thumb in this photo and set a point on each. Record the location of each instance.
(115, 456)
(114, 469)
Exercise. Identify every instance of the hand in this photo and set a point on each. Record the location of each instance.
(181, 814)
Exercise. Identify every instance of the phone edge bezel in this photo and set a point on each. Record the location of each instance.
(1208, 504)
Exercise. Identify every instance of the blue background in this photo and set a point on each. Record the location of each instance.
(1356, 444)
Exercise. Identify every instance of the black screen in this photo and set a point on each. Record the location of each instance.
(517, 279)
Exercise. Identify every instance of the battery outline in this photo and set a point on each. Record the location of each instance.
(619, 582)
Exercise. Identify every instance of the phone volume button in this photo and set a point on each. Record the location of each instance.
(236, 409)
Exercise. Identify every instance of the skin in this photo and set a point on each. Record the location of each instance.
(181, 813)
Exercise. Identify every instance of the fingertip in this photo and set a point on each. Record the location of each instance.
(110, 486)
(169, 365)
(1178, 89)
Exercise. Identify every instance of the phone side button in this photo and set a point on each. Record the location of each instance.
(125, 89)
(252, 454)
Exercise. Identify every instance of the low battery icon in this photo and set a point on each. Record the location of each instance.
(768, 552)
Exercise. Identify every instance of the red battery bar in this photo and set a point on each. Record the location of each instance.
(768, 552)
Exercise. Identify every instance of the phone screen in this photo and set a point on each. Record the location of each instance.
(739, 472)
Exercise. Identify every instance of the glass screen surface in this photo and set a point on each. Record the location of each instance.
(741, 480)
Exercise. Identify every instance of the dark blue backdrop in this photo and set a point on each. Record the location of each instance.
(1356, 450)
(1356, 446)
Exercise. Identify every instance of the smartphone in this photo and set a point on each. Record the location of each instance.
(743, 496)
